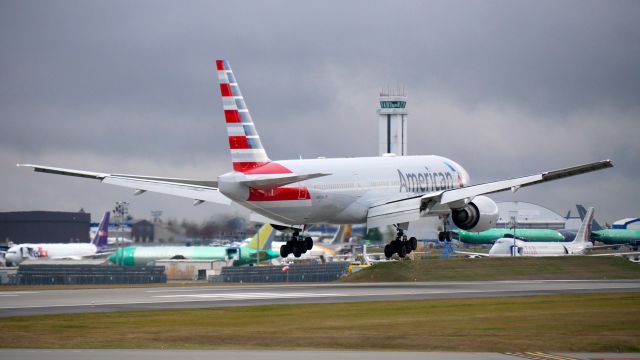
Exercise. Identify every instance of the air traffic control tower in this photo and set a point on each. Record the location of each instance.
(392, 129)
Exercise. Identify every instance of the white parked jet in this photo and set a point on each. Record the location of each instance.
(76, 251)
(515, 247)
(291, 194)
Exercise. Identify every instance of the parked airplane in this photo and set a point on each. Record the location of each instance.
(612, 236)
(18, 253)
(258, 249)
(514, 247)
(291, 194)
(491, 235)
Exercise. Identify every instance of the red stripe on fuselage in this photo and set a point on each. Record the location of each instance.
(268, 168)
(238, 142)
(279, 194)
(225, 89)
(232, 116)
(243, 167)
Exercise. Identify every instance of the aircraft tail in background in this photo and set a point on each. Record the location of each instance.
(263, 238)
(102, 235)
(582, 212)
(584, 232)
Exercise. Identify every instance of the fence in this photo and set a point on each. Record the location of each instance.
(282, 274)
(88, 274)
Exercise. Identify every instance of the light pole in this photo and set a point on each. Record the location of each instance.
(120, 211)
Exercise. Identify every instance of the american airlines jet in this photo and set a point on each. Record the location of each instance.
(292, 194)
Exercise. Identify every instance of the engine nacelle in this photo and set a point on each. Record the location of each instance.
(479, 215)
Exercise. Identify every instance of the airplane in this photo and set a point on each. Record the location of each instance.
(294, 194)
(509, 246)
(249, 253)
(75, 251)
(491, 235)
(612, 236)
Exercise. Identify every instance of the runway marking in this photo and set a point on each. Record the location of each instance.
(240, 296)
(540, 356)
(18, 293)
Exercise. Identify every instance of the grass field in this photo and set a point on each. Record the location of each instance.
(525, 268)
(594, 323)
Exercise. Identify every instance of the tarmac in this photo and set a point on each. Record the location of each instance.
(39, 302)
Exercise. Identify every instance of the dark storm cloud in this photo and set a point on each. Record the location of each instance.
(525, 85)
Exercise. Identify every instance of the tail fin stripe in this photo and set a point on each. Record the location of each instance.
(232, 116)
(238, 142)
(225, 90)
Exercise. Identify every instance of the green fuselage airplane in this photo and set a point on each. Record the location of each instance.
(257, 249)
(142, 255)
(616, 236)
(491, 235)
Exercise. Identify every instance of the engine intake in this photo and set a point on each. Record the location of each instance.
(479, 215)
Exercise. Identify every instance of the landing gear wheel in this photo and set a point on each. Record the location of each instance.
(441, 236)
(447, 235)
(407, 246)
(388, 251)
(302, 246)
(309, 242)
(284, 251)
(402, 251)
(297, 251)
(414, 243)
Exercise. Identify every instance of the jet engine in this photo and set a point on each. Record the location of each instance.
(479, 215)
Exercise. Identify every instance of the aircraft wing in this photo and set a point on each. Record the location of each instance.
(472, 254)
(410, 209)
(194, 189)
(633, 253)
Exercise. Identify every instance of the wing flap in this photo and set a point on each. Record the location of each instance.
(394, 212)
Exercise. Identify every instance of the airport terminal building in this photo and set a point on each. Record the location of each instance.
(44, 227)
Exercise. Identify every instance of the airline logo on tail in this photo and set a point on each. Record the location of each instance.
(102, 235)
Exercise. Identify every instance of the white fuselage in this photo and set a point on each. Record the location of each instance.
(18, 253)
(503, 247)
(353, 186)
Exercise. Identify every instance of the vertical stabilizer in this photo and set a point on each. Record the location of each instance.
(263, 238)
(582, 212)
(244, 142)
(102, 235)
(584, 232)
(339, 235)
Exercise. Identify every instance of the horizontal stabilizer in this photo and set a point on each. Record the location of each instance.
(270, 181)
(192, 189)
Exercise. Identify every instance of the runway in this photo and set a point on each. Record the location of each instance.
(14, 303)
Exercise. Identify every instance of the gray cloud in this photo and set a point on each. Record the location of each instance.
(505, 88)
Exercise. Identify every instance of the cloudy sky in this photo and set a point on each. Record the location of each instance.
(505, 88)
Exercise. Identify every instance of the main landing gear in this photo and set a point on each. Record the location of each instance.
(296, 246)
(444, 236)
(401, 245)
